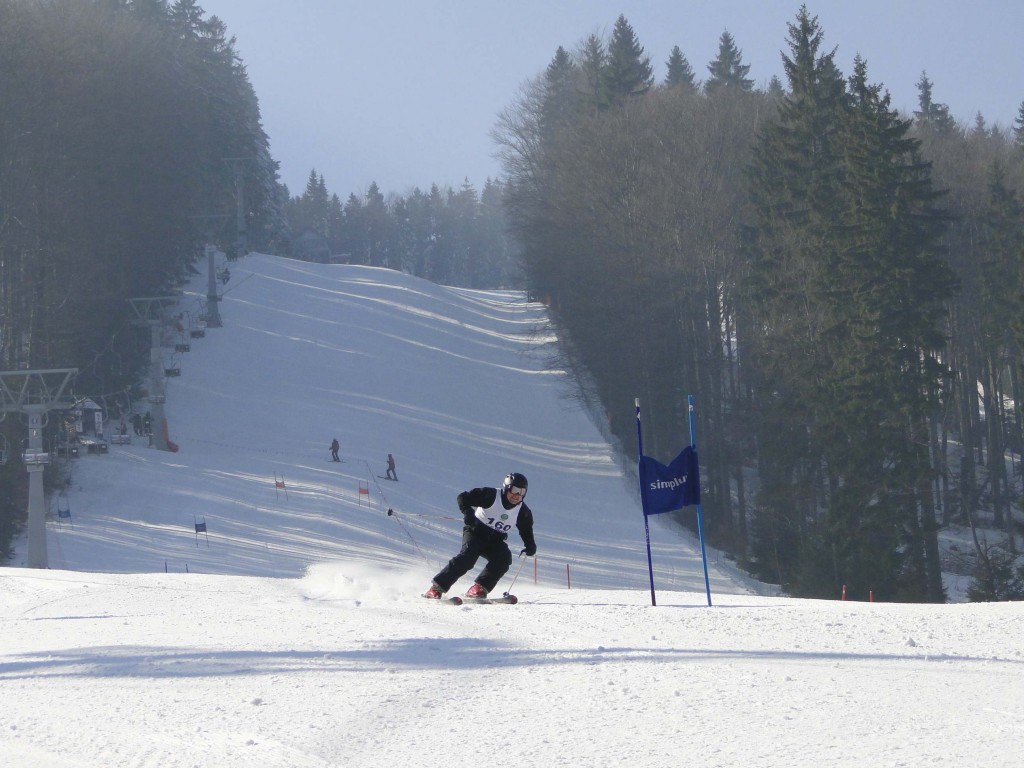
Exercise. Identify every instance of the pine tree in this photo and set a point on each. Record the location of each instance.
(679, 72)
(497, 243)
(378, 228)
(353, 230)
(627, 71)
(593, 58)
(891, 302)
(315, 204)
(931, 114)
(848, 287)
(335, 225)
(187, 15)
(1018, 128)
(560, 100)
(728, 69)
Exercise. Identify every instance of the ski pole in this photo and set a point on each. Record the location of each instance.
(522, 562)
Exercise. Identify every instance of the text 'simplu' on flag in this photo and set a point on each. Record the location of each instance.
(665, 488)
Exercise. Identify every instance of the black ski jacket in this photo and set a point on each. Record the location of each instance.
(468, 501)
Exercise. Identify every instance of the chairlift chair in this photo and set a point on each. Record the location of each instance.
(34, 456)
(174, 369)
(63, 506)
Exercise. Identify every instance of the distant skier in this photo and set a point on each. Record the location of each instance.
(334, 449)
(392, 475)
(489, 515)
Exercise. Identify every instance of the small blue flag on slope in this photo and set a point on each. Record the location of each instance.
(665, 488)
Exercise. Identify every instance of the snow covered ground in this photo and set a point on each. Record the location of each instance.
(291, 634)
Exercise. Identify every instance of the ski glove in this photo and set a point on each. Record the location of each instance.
(528, 551)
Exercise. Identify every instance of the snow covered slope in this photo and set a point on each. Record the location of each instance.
(455, 383)
(114, 663)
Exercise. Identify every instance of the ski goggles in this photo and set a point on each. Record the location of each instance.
(520, 492)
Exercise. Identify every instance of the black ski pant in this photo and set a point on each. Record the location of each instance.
(477, 541)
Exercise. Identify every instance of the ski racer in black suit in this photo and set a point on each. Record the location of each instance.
(489, 515)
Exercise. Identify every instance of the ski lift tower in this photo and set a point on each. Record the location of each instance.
(209, 226)
(153, 312)
(212, 297)
(238, 167)
(35, 393)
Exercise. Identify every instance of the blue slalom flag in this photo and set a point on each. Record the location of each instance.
(665, 488)
(201, 527)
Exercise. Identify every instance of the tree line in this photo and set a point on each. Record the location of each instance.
(446, 236)
(838, 285)
(125, 127)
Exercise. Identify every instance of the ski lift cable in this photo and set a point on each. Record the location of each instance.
(229, 290)
(400, 523)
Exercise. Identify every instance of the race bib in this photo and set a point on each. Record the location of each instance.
(497, 517)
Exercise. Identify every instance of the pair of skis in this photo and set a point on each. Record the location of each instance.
(506, 599)
(456, 600)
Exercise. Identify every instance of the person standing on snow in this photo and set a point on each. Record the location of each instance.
(489, 515)
(392, 475)
(334, 450)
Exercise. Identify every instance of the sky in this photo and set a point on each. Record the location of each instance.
(292, 634)
(406, 93)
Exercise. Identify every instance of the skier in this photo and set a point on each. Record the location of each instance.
(392, 475)
(489, 515)
(334, 449)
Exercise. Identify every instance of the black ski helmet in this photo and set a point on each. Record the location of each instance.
(516, 479)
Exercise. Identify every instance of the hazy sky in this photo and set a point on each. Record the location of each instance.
(405, 93)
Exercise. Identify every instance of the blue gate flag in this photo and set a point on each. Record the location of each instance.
(665, 488)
